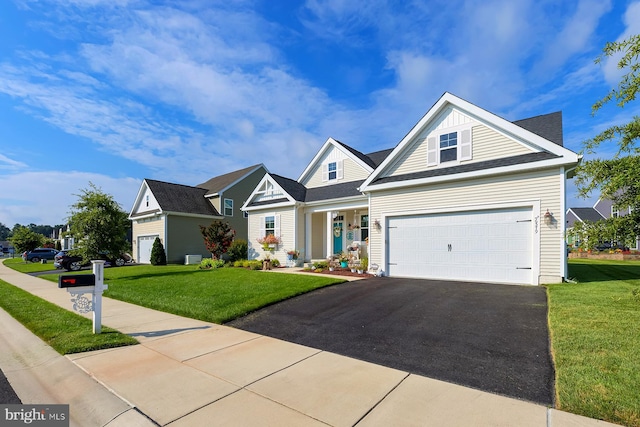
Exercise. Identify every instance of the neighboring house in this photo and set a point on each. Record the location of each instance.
(602, 209)
(63, 234)
(174, 212)
(465, 195)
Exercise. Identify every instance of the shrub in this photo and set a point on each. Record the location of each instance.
(321, 264)
(240, 263)
(209, 263)
(238, 250)
(275, 262)
(255, 265)
(158, 256)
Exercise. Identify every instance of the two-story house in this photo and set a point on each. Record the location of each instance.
(175, 212)
(465, 195)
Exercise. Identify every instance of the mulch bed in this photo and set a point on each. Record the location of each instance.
(339, 272)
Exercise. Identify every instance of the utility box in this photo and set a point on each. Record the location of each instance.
(192, 259)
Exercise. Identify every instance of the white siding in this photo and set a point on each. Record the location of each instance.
(352, 171)
(287, 236)
(486, 144)
(147, 227)
(543, 186)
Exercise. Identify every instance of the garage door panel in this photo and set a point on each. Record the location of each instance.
(493, 245)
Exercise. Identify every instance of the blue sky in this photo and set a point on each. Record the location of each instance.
(115, 91)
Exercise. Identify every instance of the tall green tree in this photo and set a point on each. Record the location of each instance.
(98, 224)
(218, 236)
(617, 178)
(24, 239)
(5, 232)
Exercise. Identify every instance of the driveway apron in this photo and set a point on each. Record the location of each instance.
(486, 336)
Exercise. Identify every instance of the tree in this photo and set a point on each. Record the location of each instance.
(24, 239)
(158, 256)
(5, 232)
(217, 238)
(98, 224)
(617, 178)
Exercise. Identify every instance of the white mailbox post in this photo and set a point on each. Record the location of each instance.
(80, 284)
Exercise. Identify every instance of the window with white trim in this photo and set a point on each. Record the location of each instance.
(270, 224)
(449, 147)
(228, 207)
(364, 227)
(332, 171)
(615, 211)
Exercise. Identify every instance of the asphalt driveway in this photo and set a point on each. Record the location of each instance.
(486, 336)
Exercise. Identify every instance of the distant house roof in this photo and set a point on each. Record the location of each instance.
(181, 198)
(219, 183)
(587, 214)
(548, 126)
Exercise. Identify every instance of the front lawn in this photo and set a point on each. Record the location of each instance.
(217, 295)
(62, 329)
(595, 336)
(27, 267)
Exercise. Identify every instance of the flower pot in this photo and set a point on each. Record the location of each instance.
(360, 271)
(331, 268)
(344, 264)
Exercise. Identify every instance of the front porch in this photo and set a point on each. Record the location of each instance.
(330, 233)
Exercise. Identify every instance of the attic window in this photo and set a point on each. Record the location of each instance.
(332, 171)
(448, 147)
(147, 200)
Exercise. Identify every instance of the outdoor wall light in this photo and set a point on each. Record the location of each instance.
(548, 217)
(376, 223)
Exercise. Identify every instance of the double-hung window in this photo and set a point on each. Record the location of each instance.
(332, 171)
(448, 147)
(364, 227)
(228, 207)
(269, 225)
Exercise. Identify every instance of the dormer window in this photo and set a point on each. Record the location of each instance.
(332, 171)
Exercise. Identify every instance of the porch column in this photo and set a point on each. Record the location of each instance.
(307, 236)
(329, 234)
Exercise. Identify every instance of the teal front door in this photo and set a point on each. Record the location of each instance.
(337, 236)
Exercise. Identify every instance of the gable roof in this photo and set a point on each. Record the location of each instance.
(178, 198)
(364, 161)
(586, 214)
(547, 125)
(219, 184)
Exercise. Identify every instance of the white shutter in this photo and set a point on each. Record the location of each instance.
(339, 167)
(276, 222)
(432, 151)
(262, 226)
(465, 145)
(325, 172)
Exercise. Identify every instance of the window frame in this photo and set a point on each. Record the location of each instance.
(224, 207)
(463, 147)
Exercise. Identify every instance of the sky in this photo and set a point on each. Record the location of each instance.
(111, 92)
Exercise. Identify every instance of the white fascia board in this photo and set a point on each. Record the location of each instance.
(468, 175)
(269, 207)
(149, 215)
(332, 142)
(219, 193)
(480, 115)
(138, 198)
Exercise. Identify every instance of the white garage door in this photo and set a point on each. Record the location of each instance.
(486, 246)
(145, 244)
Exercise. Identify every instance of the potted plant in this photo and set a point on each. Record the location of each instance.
(292, 255)
(364, 263)
(269, 242)
(343, 259)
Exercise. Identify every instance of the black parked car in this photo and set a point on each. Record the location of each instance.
(74, 262)
(39, 253)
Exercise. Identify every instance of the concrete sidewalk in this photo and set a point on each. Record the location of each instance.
(191, 373)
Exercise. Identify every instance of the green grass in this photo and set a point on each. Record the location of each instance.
(27, 267)
(595, 336)
(218, 295)
(63, 330)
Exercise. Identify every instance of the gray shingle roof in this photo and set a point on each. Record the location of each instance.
(587, 214)
(548, 126)
(336, 191)
(219, 183)
(291, 186)
(488, 164)
(181, 198)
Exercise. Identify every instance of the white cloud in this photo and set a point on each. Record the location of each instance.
(8, 163)
(632, 26)
(46, 197)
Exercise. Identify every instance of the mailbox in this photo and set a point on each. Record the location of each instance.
(76, 280)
